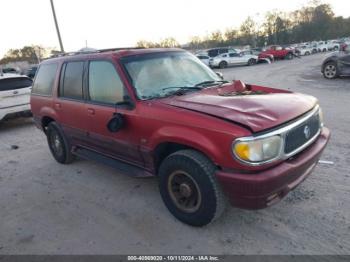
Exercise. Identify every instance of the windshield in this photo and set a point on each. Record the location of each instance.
(155, 75)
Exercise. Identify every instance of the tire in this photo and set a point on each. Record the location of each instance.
(189, 189)
(251, 62)
(289, 56)
(324, 50)
(330, 70)
(307, 53)
(223, 64)
(58, 144)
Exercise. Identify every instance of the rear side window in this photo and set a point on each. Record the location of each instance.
(14, 83)
(71, 84)
(44, 80)
(105, 85)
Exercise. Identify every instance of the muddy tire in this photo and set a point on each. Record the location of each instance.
(330, 70)
(189, 188)
(58, 144)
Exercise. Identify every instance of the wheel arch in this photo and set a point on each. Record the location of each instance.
(166, 148)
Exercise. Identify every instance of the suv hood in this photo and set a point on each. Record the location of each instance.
(255, 107)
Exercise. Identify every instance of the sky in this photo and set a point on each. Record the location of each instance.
(121, 23)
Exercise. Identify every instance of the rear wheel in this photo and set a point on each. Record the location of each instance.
(223, 64)
(58, 144)
(330, 70)
(189, 188)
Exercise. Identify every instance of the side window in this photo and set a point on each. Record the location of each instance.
(104, 83)
(71, 84)
(13, 83)
(44, 80)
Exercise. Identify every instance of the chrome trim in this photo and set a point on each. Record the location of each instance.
(282, 132)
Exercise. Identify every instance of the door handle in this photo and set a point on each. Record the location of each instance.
(57, 105)
(91, 111)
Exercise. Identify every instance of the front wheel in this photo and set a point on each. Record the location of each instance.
(330, 70)
(189, 188)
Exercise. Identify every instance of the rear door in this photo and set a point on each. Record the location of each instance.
(15, 91)
(105, 90)
(70, 103)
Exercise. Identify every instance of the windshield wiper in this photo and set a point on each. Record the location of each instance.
(181, 89)
(209, 82)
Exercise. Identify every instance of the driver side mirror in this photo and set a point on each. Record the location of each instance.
(116, 123)
(220, 75)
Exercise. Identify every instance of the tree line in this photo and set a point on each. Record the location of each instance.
(313, 22)
(32, 54)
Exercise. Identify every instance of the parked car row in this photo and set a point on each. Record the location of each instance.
(30, 72)
(223, 57)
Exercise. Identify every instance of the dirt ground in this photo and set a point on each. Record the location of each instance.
(87, 208)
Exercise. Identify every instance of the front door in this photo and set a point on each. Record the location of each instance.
(105, 90)
(344, 64)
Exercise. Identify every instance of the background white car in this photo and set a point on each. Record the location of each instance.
(322, 46)
(14, 95)
(204, 58)
(229, 59)
(333, 45)
(305, 50)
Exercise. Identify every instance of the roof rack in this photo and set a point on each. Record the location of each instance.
(93, 51)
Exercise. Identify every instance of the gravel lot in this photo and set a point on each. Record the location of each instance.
(87, 208)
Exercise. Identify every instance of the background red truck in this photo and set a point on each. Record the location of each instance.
(279, 52)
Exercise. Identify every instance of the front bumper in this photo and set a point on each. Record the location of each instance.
(9, 112)
(265, 188)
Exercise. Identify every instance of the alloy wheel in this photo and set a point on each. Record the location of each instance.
(330, 71)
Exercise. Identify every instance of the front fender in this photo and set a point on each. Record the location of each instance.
(188, 137)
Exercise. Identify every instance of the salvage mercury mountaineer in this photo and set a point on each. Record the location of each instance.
(161, 112)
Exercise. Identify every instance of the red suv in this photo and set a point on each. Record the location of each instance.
(163, 113)
(279, 52)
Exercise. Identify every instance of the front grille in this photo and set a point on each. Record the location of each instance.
(301, 134)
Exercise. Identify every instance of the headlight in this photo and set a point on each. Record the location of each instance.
(258, 151)
(320, 115)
